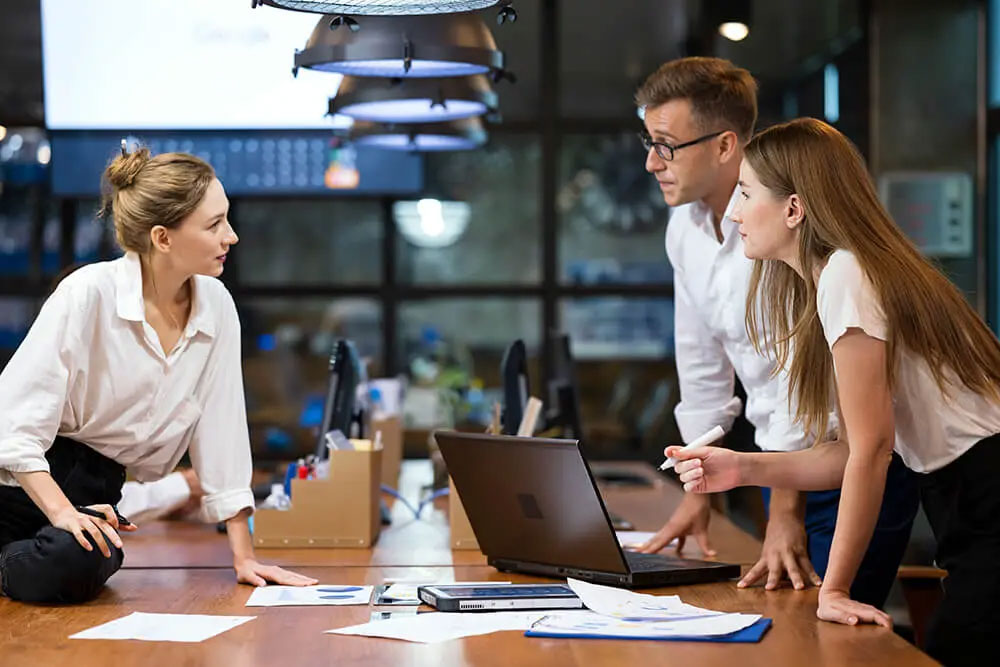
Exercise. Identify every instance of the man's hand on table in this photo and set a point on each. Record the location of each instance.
(690, 518)
(784, 553)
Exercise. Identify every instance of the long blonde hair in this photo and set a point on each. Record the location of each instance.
(925, 313)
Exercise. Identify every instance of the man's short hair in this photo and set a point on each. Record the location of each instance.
(722, 95)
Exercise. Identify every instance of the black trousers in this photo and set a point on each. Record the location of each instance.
(962, 503)
(42, 563)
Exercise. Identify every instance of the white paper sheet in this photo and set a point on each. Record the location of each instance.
(620, 603)
(633, 539)
(164, 627)
(436, 627)
(309, 596)
(605, 626)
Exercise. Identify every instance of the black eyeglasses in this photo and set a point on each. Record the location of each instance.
(666, 151)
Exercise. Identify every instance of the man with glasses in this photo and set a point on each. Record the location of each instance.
(698, 114)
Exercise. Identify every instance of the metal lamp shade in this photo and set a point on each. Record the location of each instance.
(465, 134)
(413, 100)
(381, 7)
(411, 46)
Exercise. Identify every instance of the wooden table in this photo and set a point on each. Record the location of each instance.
(38, 636)
(185, 568)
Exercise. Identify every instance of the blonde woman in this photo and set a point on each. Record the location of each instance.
(129, 364)
(855, 314)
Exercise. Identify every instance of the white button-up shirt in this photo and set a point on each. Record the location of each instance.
(711, 280)
(92, 369)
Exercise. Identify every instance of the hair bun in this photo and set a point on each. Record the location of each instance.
(124, 169)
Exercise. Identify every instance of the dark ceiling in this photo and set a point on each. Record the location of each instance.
(605, 49)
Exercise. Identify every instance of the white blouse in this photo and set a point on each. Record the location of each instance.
(712, 346)
(932, 428)
(92, 369)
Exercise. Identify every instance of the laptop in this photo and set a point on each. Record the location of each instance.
(535, 508)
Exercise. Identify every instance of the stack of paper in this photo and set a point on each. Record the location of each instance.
(436, 627)
(619, 603)
(616, 613)
(596, 625)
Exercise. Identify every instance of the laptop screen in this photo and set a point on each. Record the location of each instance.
(531, 499)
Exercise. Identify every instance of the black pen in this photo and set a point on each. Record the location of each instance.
(122, 521)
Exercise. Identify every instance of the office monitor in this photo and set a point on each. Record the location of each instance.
(339, 412)
(516, 388)
(564, 391)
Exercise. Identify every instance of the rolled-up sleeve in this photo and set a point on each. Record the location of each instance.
(220, 448)
(34, 387)
(705, 375)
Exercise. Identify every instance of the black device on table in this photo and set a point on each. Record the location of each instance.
(498, 597)
(534, 507)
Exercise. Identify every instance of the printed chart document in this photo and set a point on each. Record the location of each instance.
(164, 627)
(436, 627)
(307, 596)
(619, 603)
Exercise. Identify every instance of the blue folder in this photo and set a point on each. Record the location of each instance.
(747, 635)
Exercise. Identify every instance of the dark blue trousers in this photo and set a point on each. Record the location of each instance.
(892, 533)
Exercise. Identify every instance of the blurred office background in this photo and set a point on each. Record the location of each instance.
(433, 263)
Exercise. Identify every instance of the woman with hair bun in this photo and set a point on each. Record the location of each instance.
(129, 364)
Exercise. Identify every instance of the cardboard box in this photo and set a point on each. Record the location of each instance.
(462, 536)
(340, 511)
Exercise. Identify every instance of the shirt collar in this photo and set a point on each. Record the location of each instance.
(130, 305)
(702, 216)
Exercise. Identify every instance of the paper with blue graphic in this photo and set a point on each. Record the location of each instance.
(309, 596)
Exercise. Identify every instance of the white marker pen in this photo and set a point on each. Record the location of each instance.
(706, 439)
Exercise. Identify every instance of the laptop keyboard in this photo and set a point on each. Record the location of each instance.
(651, 562)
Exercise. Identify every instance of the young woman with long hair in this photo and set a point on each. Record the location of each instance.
(862, 321)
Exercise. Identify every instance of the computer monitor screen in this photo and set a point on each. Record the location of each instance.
(564, 393)
(339, 408)
(514, 375)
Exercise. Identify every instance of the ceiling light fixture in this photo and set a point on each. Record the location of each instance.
(734, 31)
(392, 7)
(456, 135)
(414, 46)
(413, 100)
(732, 18)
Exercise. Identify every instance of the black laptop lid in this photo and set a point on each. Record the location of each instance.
(531, 499)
